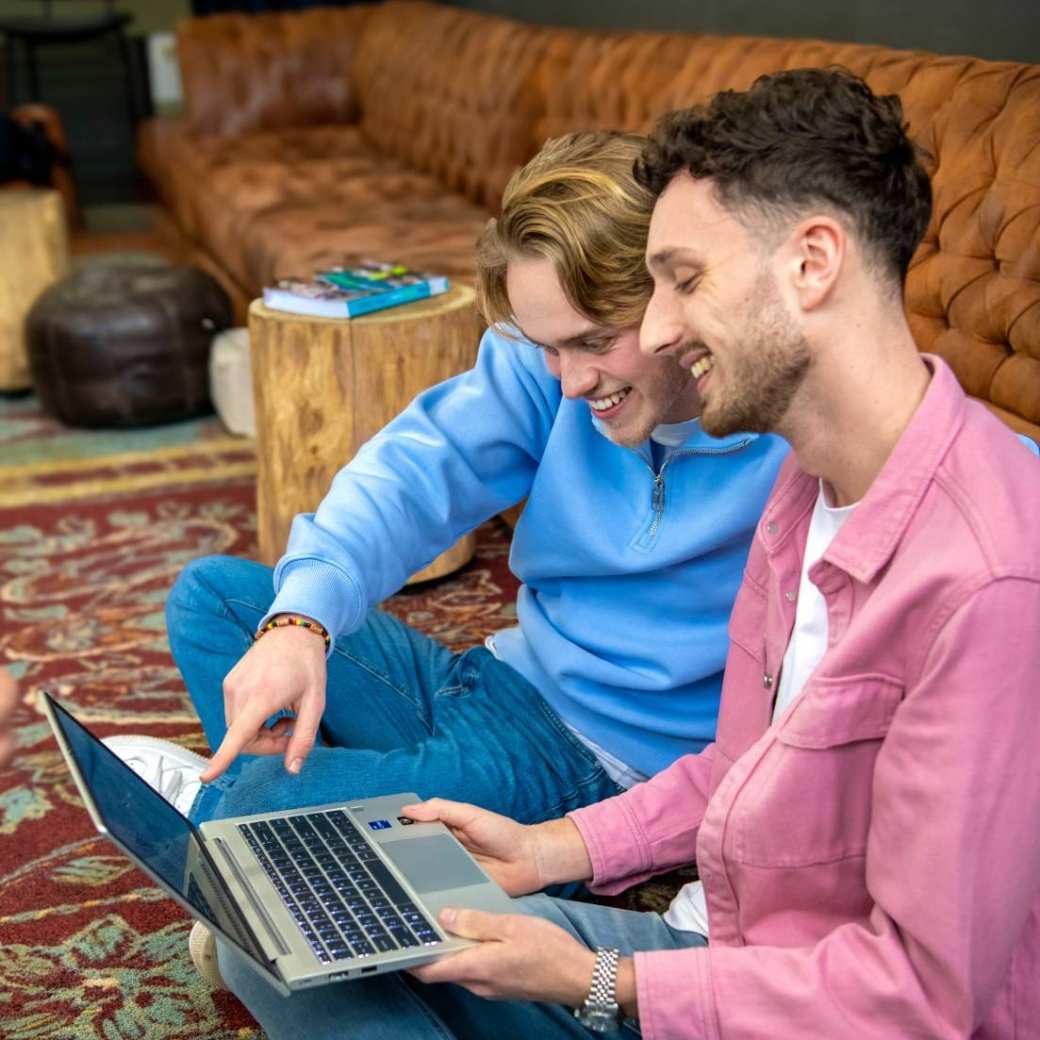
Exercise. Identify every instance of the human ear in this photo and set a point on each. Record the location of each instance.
(819, 245)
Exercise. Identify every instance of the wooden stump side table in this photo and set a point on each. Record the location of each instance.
(33, 255)
(322, 387)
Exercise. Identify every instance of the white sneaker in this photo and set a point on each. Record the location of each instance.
(203, 949)
(171, 770)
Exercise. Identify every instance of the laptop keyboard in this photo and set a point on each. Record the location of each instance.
(344, 899)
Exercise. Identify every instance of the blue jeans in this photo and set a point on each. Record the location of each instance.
(403, 713)
(398, 1007)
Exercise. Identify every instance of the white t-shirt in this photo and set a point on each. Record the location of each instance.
(671, 435)
(808, 643)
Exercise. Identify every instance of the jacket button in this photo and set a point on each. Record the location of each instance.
(790, 595)
(772, 527)
(767, 681)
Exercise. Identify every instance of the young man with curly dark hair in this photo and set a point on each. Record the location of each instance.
(865, 823)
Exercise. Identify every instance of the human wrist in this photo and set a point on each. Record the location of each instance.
(627, 994)
(559, 852)
(293, 619)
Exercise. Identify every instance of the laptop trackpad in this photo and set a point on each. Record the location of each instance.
(434, 863)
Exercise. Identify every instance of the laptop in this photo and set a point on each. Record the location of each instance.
(310, 896)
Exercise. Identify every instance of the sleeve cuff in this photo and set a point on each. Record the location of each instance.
(320, 591)
(617, 847)
(674, 991)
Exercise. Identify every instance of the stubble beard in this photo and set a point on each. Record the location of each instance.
(764, 374)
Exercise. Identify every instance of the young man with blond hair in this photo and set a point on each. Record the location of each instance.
(630, 550)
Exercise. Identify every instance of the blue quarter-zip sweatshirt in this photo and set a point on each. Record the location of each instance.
(629, 575)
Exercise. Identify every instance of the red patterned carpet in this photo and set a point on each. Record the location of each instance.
(88, 549)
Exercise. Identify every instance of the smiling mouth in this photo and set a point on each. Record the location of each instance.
(604, 404)
(697, 361)
(702, 365)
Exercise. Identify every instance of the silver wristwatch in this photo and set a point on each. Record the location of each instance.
(600, 1011)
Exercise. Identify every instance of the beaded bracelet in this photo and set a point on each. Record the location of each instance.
(284, 620)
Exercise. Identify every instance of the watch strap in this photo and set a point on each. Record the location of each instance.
(600, 1010)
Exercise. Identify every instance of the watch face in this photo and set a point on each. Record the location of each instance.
(598, 1019)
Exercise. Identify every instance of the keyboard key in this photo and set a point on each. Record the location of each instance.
(322, 824)
(389, 883)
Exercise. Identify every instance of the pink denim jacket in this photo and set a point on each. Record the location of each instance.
(871, 862)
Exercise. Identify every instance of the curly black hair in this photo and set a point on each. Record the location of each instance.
(802, 138)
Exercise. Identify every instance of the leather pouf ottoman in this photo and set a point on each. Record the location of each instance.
(125, 344)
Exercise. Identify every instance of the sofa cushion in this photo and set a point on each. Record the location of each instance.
(405, 217)
(269, 71)
(179, 162)
(451, 93)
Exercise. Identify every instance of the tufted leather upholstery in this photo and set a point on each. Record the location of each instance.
(393, 129)
(269, 71)
(451, 92)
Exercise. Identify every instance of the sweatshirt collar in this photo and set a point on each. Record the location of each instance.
(697, 439)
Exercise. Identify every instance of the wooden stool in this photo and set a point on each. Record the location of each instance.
(34, 253)
(322, 387)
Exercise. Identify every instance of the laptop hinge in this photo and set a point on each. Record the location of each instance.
(282, 950)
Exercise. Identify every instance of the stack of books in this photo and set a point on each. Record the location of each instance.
(350, 291)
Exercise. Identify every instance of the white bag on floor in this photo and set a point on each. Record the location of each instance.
(231, 381)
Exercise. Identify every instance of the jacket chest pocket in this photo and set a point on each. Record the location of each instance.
(808, 798)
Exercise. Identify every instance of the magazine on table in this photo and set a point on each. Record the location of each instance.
(350, 291)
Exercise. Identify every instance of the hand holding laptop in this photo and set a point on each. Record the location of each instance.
(518, 957)
(285, 669)
(521, 858)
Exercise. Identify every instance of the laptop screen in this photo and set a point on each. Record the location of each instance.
(151, 831)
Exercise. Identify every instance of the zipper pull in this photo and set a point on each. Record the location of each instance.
(658, 500)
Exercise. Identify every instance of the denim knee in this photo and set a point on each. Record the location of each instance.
(205, 584)
(263, 784)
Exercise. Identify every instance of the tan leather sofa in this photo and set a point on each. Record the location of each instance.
(391, 130)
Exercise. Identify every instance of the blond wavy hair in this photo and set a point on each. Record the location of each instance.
(578, 204)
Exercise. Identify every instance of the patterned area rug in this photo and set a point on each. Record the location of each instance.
(89, 545)
(94, 528)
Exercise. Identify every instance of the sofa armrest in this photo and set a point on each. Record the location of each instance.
(269, 71)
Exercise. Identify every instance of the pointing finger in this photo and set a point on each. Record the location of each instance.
(241, 733)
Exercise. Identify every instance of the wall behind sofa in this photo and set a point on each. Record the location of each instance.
(1002, 30)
